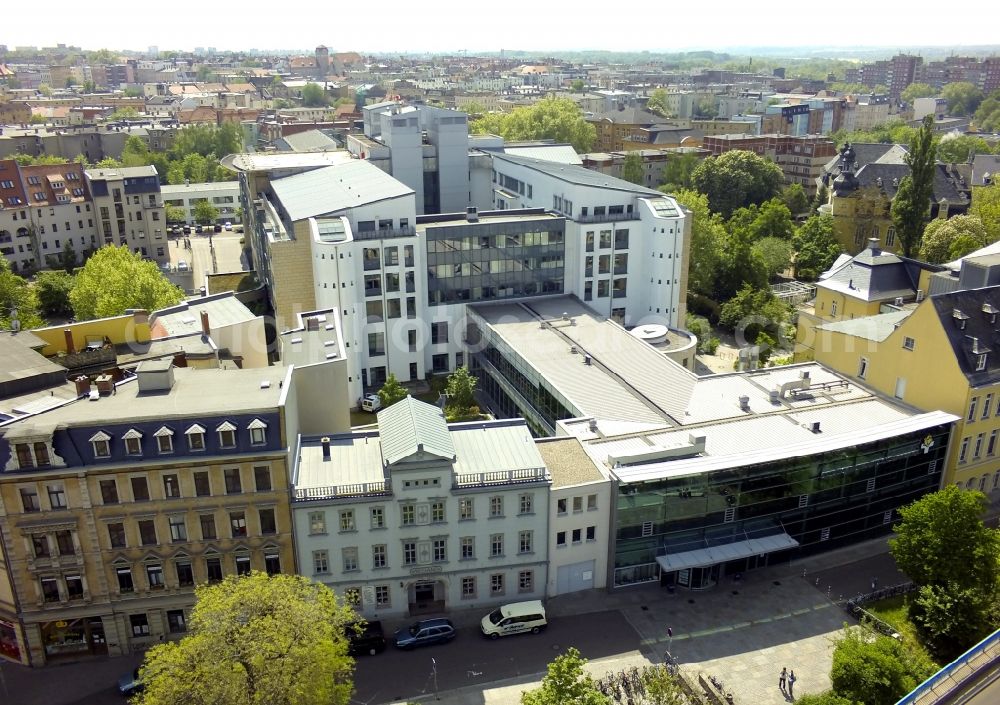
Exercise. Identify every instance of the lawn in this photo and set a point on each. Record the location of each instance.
(895, 611)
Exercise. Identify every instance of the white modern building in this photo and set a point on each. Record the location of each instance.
(224, 195)
(421, 516)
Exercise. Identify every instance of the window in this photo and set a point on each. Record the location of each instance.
(140, 625)
(468, 588)
(74, 587)
(439, 332)
(591, 502)
(227, 435)
(437, 512)
(561, 538)
(262, 478)
(125, 583)
(900, 390)
(317, 523)
(577, 504)
(176, 623)
(213, 568)
(29, 499)
(561, 506)
(833, 309)
(987, 407)
(382, 596)
(526, 504)
(591, 533)
(207, 522)
(440, 547)
(171, 487)
(24, 458)
(496, 506)
(64, 542)
(243, 566)
(164, 440)
(890, 236)
(408, 513)
(233, 483)
(379, 559)
(377, 517)
(991, 447)
(347, 520)
(908, 343)
(979, 446)
(147, 532)
(50, 589)
(272, 562)
(258, 432)
(100, 443)
(267, 522)
(195, 438)
(140, 489)
(116, 535)
(972, 409)
(525, 581)
(862, 367)
(465, 509)
(238, 523)
(496, 545)
(525, 541)
(133, 442)
(468, 547)
(202, 486)
(496, 584)
(409, 552)
(57, 496)
(321, 562)
(376, 343)
(109, 491)
(964, 450)
(576, 535)
(178, 529)
(154, 576)
(185, 575)
(40, 545)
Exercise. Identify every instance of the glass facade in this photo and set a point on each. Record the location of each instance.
(822, 501)
(487, 261)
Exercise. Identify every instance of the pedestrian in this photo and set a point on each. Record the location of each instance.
(874, 583)
(791, 682)
(781, 679)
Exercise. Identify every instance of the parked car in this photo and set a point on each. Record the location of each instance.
(199, 229)
(371, 402)
(182, 266)
(130, 684)
(187, 229)
(217, 228)
(425, 632)
(515, 618)
(228, 226)
(367, 638)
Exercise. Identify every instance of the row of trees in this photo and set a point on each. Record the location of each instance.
(557, 119)
(460, 389)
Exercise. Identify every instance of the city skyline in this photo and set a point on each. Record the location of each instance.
(448, 26)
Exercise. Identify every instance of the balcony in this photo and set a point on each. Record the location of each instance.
(385, 233)
(500, 477)
(607, 218)
(361, 489)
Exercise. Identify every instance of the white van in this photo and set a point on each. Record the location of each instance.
(515, 618)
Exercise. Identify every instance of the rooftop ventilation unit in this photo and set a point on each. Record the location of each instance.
(745, 403)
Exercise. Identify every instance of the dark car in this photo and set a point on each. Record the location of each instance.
(129, 684)
(186, 229)
(199, 229)
(217, 228)
(365, 639)
(424, 632)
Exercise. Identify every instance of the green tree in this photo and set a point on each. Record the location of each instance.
(947, 240)
(753, 311)
(313, 96)
(951, 618)
(815, 247)
(954, 148)
(657, 102)
(558, 119)
(704, 108)
(205, 213)
(677, 172)
(391, 391)
(53, 289)
(126, 113)
(256, 640)
(963, 98)
(566, 683)
(796, 199)
(461, 389)
(987, 118)
(874, 669)
(770, 219)
(37, 119)
(911, 205)
(918, 90)
(204, 73)
(577, 86)
(662, 688)
(17, 295)
(632, 168)
(69, 256)
(986, 207)
(826, 698)
(115, 279)
(175, 214)
(707, 236)
(45, 89)
(736, 179)
(775, 253)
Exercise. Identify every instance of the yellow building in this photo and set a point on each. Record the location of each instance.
(872, 282)
(941, 354)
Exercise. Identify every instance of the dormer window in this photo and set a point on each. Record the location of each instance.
(133, 442)
(980, 362)
(164, 440)
(960, 318)
(196, 437)
(258, 432)
(100, 442)
(227, 434)
(991, 312)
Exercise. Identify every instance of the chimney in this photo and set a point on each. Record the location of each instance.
(205, 330)
(312, 324)
(82, 385)
(873, 246)
(325, 441)
(105, 385)
(745, 403)
(70, 347)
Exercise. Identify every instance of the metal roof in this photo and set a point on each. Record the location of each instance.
(876, 328)
(253, 161)
(726, 552)
(495, 446)
(223, 310)
(561, 153)
(576, 174)
(336, 188)
(411, 427)
(309, 141)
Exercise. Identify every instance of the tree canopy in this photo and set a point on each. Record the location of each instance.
(313, 96)
(566, 683)
(987, 118)
(677, 172)
(986, 206)
(736, 179)
(17, 295)
(796, 199)
(947, 240)
(558, 119)
(707, 235)
(53, 289)
(874, 669)
(963, 98)
(911, 205)
(918, 90)
(391, 391)
(256, 640)
(632, 170)
(205, 213)
(955, 148)
(657, 102)
(461, 389)
(815, 247)
(115, 279)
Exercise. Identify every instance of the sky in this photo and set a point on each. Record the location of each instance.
(444, 26)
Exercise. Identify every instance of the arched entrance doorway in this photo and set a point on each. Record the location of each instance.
(426, 596)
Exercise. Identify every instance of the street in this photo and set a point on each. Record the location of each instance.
(199, 258)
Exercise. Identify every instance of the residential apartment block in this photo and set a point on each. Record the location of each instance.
(801, 159)
(224, 195)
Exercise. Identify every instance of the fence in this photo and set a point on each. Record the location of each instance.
(855, 609)
(943, 684)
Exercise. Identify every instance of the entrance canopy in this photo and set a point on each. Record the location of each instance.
(725, 552)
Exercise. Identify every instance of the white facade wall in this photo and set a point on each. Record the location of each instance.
(56, 224)
(223, 195)
(579, 537)
(448, 131)
(402, 134)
